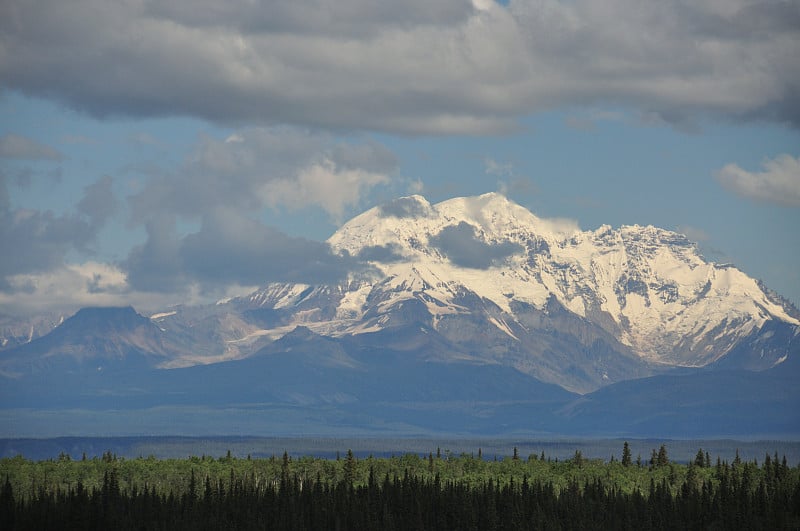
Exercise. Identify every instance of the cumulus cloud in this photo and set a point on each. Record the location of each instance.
(778, 182)
(229, 249)
(20, 147)
(275, 167)
(347, 18)
(68, 287)
(38, 241)
(98, 202)
(234, 249)
(446, 67)
(324, 184)
(461, 244)
(156, 264)
(406, 207)
(62, 287)
(224, 185)
(381, 253)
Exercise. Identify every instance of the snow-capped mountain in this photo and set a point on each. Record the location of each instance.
(499, 285)
(467, 316)
(541, 295)
(15, 331)
(93, 339)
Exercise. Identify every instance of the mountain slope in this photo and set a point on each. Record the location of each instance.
(468, 316)
(647, 286)
(700, 403)
(92, 339)
(581, 309)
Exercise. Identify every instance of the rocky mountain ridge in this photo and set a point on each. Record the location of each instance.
(471, 316)
(498, 285)
(501, 283)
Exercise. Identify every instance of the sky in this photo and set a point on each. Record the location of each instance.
(159, 153)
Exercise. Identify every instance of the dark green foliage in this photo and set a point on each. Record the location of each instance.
(700, 459)
(626, 454)
(404, 492)
(662, 459)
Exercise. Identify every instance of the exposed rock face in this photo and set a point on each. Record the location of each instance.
(497, 285)
(577, 308)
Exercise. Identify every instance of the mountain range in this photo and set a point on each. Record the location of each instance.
(472, 315)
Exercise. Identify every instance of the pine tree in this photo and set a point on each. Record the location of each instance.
(350, 468)
(700, 459)
(662, 459)
(626, 454)
(192, 495)
(578, 458)
(7, 505)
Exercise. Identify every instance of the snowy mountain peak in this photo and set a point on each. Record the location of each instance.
(496, 283)
(411, 224)
(647, 286)
(478, 280)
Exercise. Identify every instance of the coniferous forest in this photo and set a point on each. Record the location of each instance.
(437, 491)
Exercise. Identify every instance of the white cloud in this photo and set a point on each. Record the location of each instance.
(325, 185)
(778, 182)
(225, 185)
(267, 167)
(72, 286)
(39, 240)
(66, 287)
(563, 226)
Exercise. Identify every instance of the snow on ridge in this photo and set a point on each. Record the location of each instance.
(278, 295)
(162, 315)
(648, 286)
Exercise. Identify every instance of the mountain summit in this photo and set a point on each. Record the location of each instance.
(578, 308)
(472, 315)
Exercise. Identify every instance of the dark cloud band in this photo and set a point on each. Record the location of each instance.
(461, 244)
(416, 67)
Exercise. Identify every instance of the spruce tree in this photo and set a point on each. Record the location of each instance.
(7, 505)
(700, 459)
(350, 468)
(626, 454)
(662, 459)
(578, 458)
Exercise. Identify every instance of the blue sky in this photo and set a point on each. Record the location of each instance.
(140, 142)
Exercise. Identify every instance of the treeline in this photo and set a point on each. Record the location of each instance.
(403, 492)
